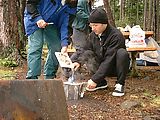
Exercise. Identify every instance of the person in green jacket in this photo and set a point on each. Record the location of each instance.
(80, 27)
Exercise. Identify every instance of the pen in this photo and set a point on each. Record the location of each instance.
(50, 23)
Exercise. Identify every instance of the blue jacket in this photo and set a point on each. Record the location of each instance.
(50, 11)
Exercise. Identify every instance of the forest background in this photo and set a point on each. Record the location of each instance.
(142, 92)
(13, 41)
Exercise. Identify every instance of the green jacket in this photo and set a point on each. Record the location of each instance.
(83, 11)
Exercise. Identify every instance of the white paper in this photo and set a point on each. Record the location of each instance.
(64, 60)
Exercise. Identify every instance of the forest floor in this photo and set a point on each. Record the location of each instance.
(141, 101)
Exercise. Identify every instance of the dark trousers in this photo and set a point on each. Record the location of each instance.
(119, 69)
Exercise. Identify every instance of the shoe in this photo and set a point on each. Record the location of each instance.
(48, 77)
(119, 90)
(32, 77)
(102, 85)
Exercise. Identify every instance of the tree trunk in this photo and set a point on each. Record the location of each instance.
(145, 14)
(11, 22)
(152, 17)
(137, 15)
(109, 12)
(149, 15)
(157, 20)
(122, 10)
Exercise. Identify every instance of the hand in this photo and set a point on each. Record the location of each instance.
(64, 50)
(91, 84)
(76, 65)
(41, 23)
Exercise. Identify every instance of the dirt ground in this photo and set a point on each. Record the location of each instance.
(141, 101)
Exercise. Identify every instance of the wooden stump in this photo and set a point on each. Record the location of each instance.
(32, 100)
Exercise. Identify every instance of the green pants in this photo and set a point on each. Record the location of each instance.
(35, 45)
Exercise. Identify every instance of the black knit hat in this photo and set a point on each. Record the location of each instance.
(98, 15)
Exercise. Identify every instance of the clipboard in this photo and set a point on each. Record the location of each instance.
(64, 60)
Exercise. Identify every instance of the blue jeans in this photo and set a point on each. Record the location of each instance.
(35, 45)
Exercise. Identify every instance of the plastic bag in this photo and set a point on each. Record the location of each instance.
(153, 54)
(137, 37)
(152, 43)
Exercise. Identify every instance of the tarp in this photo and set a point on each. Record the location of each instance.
(151, 56)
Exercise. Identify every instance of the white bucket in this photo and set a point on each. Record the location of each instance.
(74, 91)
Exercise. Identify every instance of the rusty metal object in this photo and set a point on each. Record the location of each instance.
(32, 100)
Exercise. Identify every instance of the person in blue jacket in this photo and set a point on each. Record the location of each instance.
(47, 21)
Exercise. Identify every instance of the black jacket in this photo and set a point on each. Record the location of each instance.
(105, 49)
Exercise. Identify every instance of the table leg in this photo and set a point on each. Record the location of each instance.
(134, 72)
